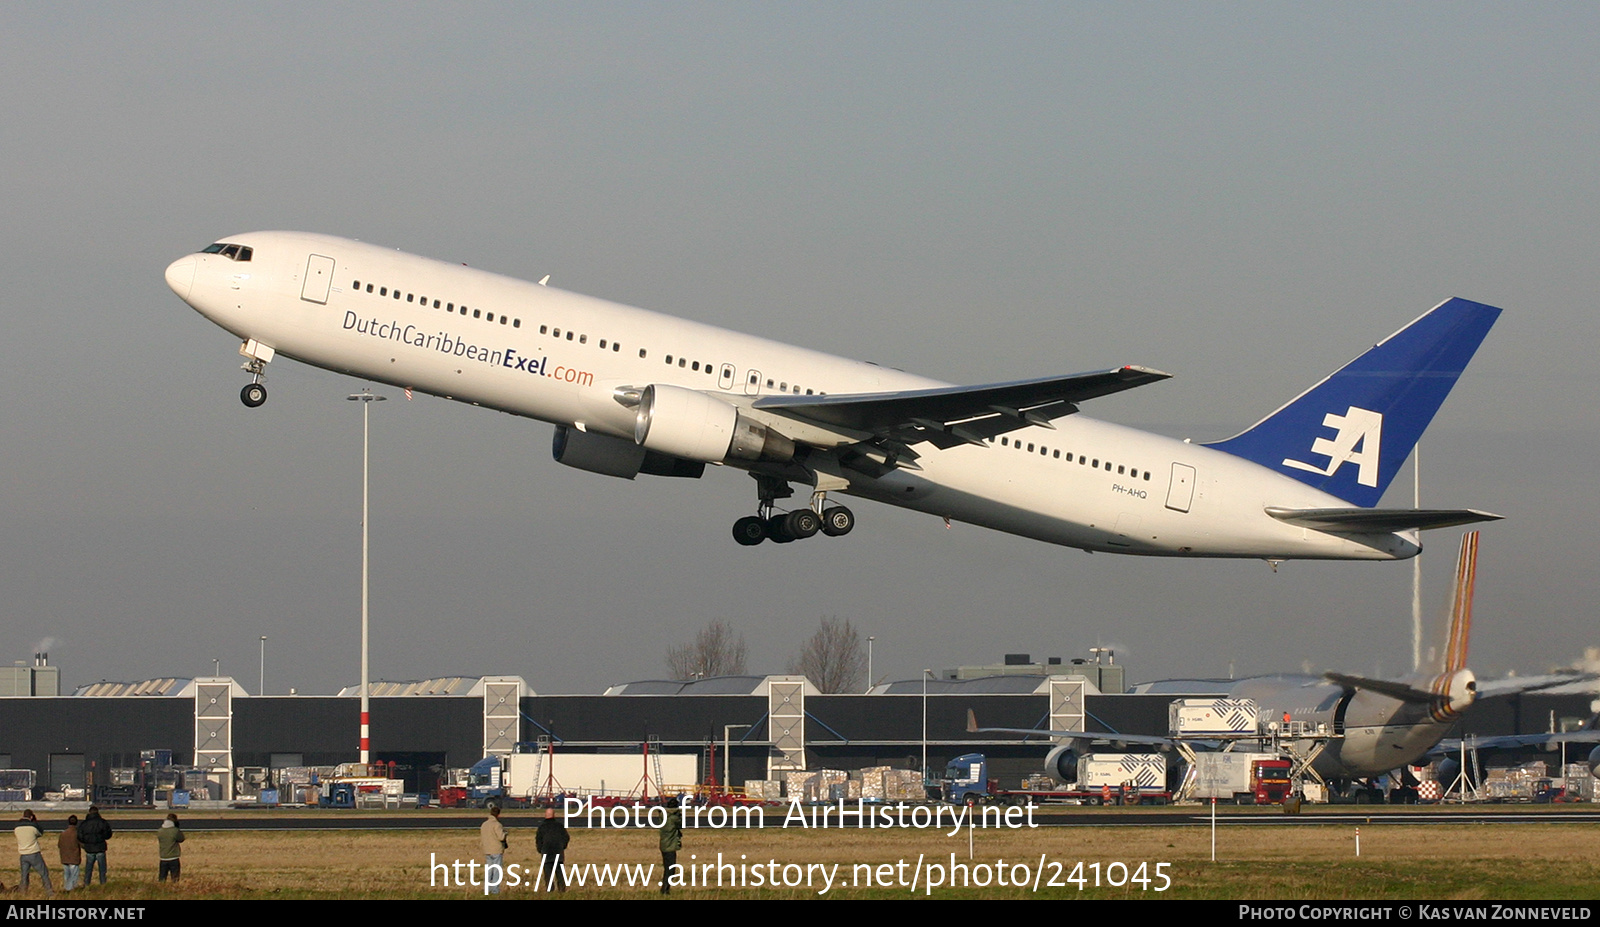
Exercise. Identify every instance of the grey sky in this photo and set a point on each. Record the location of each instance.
(1244, 196)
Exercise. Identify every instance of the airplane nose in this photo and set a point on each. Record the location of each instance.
(180, 276)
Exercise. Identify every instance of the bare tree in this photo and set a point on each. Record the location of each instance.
(833, 659)
(717, 650)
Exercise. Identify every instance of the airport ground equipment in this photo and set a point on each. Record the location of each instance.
(1242, 778)
(17, 784)
(355, 784)
(1102, 779)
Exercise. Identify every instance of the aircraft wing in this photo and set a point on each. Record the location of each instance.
(1372, 521)
(973, 728)
(1511, 741)
(1588, 734)
(953, 415)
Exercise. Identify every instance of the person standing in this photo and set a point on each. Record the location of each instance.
(71, 854)
(31, 857)
(671, 843)
(92, 836)
(168, 838)
(492, 841)
(551, 841)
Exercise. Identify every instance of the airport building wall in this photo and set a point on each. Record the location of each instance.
(69, 740)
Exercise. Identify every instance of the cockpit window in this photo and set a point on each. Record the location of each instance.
(231, 252)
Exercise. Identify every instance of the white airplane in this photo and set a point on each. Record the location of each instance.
(632, 391)
(1369, 726)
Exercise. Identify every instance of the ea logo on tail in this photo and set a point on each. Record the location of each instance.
(1358, 440)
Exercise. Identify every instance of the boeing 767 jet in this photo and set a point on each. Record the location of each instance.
(635, 392)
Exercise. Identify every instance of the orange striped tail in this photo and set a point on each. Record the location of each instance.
(1461, 609)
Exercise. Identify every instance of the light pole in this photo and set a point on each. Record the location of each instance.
(261, 680)
(366, 397)
(870, 639)
(925, 674)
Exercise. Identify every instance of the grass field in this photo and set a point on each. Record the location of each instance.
(1318, 862)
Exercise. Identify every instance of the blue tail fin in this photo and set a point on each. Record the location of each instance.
(1349, 434)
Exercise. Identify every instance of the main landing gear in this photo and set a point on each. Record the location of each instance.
(783, 527)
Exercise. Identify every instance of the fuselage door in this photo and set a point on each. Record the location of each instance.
(752, 383)
(319, 277)
(725, 377)
(1181, 493)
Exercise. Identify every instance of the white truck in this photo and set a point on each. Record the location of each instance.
(612, 775)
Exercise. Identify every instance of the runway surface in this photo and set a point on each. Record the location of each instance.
(291, 819)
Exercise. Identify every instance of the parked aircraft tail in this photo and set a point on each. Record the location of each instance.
(1455, 653)
(1448, 686)
(1370, 413)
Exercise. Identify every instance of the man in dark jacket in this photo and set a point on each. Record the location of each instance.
(92, 836)
(552, 840)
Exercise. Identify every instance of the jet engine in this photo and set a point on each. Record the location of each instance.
(692, 425)
(1594, 761)
(1061, 764)
(599, 453)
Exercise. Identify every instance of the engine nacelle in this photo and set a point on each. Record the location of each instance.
(599, 453)
(1061, 764)
(1594, 761)
(695, 426)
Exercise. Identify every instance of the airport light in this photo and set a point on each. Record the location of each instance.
(925, 674)
(366, 397)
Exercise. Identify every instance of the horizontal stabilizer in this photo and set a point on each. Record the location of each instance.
(1389, 687)
(1375, 521)
(970, 413)
(1516, 685)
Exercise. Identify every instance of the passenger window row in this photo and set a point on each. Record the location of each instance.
(1057, 454)
(706, 367)
(447, 306)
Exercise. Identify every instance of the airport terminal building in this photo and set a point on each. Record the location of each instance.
(772, 725)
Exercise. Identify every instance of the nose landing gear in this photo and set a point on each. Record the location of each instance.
(256, 356)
